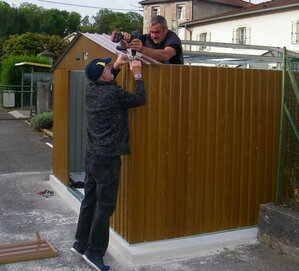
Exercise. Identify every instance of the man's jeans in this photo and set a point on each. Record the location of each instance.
(101, 187)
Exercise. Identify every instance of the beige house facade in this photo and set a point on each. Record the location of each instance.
(179, 12)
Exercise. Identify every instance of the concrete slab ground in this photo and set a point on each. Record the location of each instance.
(5, 116)
(23, 212)
(20, 114)
(23, 149)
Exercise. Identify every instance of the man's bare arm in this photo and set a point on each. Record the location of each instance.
(157, 54)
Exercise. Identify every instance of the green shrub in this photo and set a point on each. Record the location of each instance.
(42, 121)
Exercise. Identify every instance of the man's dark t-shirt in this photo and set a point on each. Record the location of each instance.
(171, 40)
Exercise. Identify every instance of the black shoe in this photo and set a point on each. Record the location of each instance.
(95, 261)
(78, 249)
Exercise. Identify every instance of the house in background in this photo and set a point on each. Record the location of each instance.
(178, 12)
(273, 24)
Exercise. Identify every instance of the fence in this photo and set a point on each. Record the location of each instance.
(288, 170)
(25, 96)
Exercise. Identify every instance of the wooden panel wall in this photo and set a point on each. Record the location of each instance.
(204, 152)
(60, 125)
(62, 100)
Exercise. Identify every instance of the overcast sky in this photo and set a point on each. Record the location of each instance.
(88, 7)
(84, 7)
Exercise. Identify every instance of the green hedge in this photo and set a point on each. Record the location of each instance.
(42, 121)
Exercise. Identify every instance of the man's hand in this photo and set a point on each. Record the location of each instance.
(125, 41)
(127, 36)
(136, 44)
(135, 67)
(121, 60)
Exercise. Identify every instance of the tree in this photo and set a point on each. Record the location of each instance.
(30, 18)
(73, 22)
(32, 44)
(8, 18)
(54, 22)
(86, 25)
(106, 21)
(135, 21)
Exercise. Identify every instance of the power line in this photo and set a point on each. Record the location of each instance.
(85, 6)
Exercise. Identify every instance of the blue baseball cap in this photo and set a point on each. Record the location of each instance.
(95, 68)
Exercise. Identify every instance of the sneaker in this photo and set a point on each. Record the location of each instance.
(46, 193)
(96, 262)
(78, 249)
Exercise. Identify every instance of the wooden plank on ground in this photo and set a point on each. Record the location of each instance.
(25, 251)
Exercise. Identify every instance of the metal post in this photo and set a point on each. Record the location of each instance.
(22, 90)
(284, 72)
(31, 91)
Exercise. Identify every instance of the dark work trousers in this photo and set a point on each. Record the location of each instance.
(100, 188)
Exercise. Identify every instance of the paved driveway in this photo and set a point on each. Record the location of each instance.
(22, 149)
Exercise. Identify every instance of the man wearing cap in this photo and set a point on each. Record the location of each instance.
(107, 138)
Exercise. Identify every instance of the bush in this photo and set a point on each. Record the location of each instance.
(42, 121)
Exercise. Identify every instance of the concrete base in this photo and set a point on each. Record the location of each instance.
(21, 114)
(279, 228)
(166, 250)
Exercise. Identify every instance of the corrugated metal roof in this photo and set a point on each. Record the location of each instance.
(104, 41)
(269, 6)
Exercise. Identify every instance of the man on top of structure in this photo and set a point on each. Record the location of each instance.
(160, 43)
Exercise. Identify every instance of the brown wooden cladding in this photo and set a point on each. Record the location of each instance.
(60, 125)
(204, 148)
(73, 60)
(204, 152)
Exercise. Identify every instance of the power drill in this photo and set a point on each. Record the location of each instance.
(118, 36)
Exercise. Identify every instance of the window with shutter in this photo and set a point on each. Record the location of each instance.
(208, 48)
(295, 32)
(155, 11)
(203, 37)
(188, 10)
(181, 12)
(162, 10)
(241, 35)
(248, 35)
(234, 36)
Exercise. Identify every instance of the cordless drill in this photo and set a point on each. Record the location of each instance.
(118, 36)
(134, 35)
